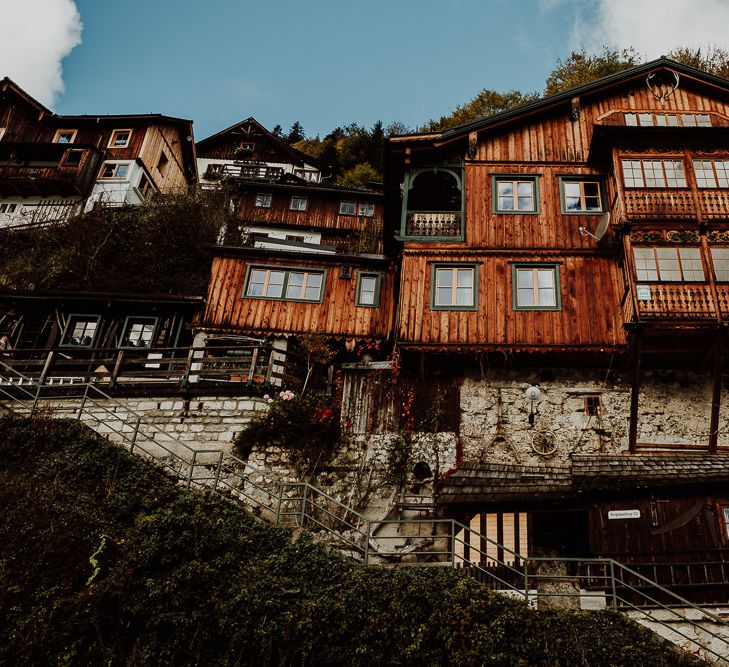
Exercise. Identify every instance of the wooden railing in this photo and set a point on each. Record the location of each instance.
(442, 224)
(252, 170)
(676, 301)
(659, 204)
(242, 364)
(714, 204)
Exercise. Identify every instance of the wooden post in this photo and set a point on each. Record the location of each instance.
(634, 392)
(716, 393)
(254, 361)
(117, 368)
(47, 366)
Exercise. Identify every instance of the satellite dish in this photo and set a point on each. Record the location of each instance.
(601, 228)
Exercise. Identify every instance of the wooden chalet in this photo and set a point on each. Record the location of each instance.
(307, 256)
(54, 166)
(586, 231)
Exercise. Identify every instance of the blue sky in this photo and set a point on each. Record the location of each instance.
(323, 62)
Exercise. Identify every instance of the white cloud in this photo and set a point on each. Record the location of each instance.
(35, 37)
(652, 27)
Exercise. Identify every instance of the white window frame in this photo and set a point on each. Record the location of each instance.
(668, 264)
(113, 138)
(347, 207)
(116, 165)
(720, 260)
(711, 173)
(668, 172)
(287, 281)
(299, 203)
(132, 322)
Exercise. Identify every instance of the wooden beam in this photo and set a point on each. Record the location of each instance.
(634, 392)
(716, 393)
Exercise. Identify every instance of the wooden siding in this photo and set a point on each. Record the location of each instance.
(590, 314)
(557, 138)
(337, 315)
(169, 139)
(322, 210)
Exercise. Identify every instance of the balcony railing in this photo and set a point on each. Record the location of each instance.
(659, 204)
(442, 224)
(684, 301)
(256, 170)
(714, 204)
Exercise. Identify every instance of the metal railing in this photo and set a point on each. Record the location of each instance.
(444, 542)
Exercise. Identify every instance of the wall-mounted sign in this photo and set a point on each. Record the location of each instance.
(643, 292)
(624, 514)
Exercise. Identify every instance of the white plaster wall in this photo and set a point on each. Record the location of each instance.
(118, 191)
(37, 210)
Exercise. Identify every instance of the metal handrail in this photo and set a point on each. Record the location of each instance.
(349, 519)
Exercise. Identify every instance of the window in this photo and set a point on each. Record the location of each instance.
(668, 120)
(163, 163)
(8, 208)
(593, 405)
(73, 158)
(347, 208)
(515, 195)
(720, 258)
(145, 187)
(536, 287)
(120, 138)
(299, 203)
(139, 332)
(64, 136)
(114, 170)
(263, 200)
(285, 284)
(581, 196)
(724, 518)
(653, 174)
(368, 289)
(668, 264)
(80, 330)
(712, 173)
(454, 287)
(366, 209)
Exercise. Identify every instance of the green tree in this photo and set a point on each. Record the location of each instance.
(296, 133)
(360, 175)
(714, 60)
(582, 67)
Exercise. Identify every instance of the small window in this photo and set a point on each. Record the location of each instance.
(720, 258)
(263, 200)
(712, 173)
(366, 209)
(515, 195)
(299, 203)
(285, 284)
(114, 170)
(454, 288)
(653, 174)
(668, 264)
(80, 331)
(581, 196)
(8, 208)
(64, 136)
(163, 163)
(536, 287)
(120, 138)
(368, 289)
(139, 332)
(593, 405)
(73, 158)
(145, 187)
(347, 208)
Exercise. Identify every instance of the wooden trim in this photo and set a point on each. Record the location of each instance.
(64, 131)
(112, 137)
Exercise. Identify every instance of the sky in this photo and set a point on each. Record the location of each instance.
(322, 62)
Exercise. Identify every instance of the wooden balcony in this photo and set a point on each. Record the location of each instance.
(252, 170)
(714, 204)
(659, 204)
(675, 301)
(433, 224)
(30, 169)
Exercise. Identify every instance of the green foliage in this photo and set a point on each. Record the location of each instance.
(712, 60)
(360, 175)
(158, 247)
(186, 578)
(486, 103)
(306, 425)
(582, 67)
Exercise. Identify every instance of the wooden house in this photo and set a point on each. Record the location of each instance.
(53, 166)
(565, 263)
(306, 256)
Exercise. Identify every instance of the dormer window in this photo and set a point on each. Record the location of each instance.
(648, 173)
(120, 138)
(64, 136)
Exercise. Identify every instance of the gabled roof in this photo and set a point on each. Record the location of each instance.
(6, 83)
(297, 156)
(598, 86)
